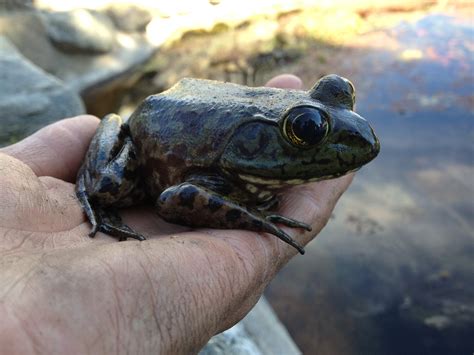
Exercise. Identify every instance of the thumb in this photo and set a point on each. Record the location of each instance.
(58, 149)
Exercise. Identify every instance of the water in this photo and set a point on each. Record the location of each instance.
(393, 272)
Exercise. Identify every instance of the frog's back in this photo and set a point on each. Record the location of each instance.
(188, 126)
(226, 103)
(226, 95)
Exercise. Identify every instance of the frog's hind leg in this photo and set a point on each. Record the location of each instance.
(108, 178)
(197, 206)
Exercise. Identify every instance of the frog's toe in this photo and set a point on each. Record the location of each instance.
(122, 232)
(271, 228)
(109, 222)
(293, 223)
(94, 230)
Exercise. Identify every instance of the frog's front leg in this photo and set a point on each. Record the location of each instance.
(197, 206)
(108, 179)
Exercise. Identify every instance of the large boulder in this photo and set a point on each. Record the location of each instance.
(83, 49)
(80, 31)
(259, 333)
(30, 98)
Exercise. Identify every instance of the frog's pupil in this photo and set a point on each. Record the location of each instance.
(309, 126)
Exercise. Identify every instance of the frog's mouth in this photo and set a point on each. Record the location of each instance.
(275, 183)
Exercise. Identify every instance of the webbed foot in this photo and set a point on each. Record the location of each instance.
(111, 223)
(107, 221)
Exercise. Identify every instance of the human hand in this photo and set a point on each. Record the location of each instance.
(61, 291)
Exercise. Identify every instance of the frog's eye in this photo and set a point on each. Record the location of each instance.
(306, 126)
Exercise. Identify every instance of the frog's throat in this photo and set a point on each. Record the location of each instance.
(275, 183)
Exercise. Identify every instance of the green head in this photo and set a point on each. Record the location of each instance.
(318, 136)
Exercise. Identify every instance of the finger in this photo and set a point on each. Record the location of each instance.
(58, 149)
(285, 81)
(312, 204)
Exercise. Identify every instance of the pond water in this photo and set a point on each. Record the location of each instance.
(393, 272)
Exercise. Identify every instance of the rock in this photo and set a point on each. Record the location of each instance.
(30, 98)
(15, 4)
(101, 79)
(234, 341)
(129, 17)
(259, 333)
(80, 31)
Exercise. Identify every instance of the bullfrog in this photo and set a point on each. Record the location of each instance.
(217, 155)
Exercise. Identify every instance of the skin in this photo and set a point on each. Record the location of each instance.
(61, 291)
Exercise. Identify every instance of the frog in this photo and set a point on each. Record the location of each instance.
(210, 154)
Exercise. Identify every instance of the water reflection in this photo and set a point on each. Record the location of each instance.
(393, 272)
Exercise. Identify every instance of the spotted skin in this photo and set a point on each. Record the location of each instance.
(211, 154)
(197, 206)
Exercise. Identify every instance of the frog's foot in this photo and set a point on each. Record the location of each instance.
(197, 206)
(106, 221)
(111, 224)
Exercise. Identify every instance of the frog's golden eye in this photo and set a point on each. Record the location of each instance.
(306, 125)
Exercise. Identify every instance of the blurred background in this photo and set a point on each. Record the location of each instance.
(393, 272)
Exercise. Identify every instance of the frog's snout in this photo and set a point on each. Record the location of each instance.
(368, 145)
(375, 144)
(357, 143)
